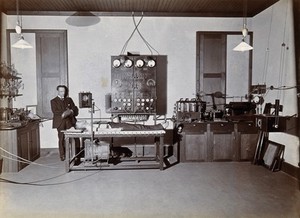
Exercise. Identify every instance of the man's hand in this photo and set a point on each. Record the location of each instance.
(66, 113)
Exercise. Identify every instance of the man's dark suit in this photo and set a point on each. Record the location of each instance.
(58, 107)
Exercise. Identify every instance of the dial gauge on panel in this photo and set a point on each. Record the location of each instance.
(151, 63)
(128, 63)
(116, 63)
(140, 63)
(151, 82)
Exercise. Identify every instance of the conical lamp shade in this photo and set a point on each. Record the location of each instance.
(21, 44)
(243, 46)
(81, 19)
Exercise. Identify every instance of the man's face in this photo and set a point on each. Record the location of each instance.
(61, 92)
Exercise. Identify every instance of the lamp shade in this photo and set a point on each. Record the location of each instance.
(21, 43)
(243, 46)
(81, 19)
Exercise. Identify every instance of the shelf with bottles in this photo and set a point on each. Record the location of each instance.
(10, 82)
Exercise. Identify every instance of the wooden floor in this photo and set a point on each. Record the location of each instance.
(185, 190)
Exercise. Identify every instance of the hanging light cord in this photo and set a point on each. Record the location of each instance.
(136, 26)
(127, 41)
(245, 8)
(282, 54)
(150, 47)
(19, 21)
(267, 52)
(282, 62)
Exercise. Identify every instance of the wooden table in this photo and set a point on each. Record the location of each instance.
(159, 148)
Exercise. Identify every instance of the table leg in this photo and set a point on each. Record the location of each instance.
(161, 152)
(67, 153)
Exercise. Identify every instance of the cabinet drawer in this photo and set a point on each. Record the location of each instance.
(247, 128)
(195, 127)
(222, 127)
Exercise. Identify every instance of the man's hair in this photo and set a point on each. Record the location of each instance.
(61, 86)
(66, 89)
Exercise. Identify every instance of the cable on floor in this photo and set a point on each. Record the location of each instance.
(34, 183)
(23, 160)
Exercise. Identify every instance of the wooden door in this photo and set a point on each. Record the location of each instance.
(52, 70)
(211, 55)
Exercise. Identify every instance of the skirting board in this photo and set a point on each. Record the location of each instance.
(291, 170)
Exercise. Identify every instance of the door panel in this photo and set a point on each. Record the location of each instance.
(212, 66)
(222, 147)
(23, 141)
(52, 70)
(248, 146)
(195, 147)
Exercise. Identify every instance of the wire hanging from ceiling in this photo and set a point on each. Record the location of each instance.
(150, 47)
(136, 26)
(282, 54)
(282, 61)
(267, 52)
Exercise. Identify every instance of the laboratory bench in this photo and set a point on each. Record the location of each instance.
(217, 141)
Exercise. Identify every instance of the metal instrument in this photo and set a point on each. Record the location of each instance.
(138, 84)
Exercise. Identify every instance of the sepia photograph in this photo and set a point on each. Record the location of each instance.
(149, 108)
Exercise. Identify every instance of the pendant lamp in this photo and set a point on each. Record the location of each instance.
(244, 46)
(82, 19)
(21, 43)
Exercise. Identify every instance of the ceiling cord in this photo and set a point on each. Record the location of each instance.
(136, 26)
(266, 63)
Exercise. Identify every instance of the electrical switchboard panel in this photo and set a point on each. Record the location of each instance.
(138, 84)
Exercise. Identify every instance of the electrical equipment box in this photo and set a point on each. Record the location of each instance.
(85, 99)
(138, 84)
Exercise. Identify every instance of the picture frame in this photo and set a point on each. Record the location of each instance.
(273, 155)
(32, 108)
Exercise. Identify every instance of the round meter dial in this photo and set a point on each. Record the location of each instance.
(128, 63)
(140, 63)
(116, 63)
(151, 63)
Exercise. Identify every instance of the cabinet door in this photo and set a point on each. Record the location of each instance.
(223, 147)
(248, 146)
(34, 145)
(195, 147)
(23, 142)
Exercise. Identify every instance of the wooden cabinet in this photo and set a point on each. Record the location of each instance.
(24, 142)
(23, 146)
(28, 139)
(197, 149)
(247, 135)
(222, 147)
(222, 141)
(193, 146)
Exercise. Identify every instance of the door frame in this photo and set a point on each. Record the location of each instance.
(198, 76)
(35, 31)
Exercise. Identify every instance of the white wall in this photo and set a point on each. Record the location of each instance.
(277, 21)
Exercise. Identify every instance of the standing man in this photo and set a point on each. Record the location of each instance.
(64, 113)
